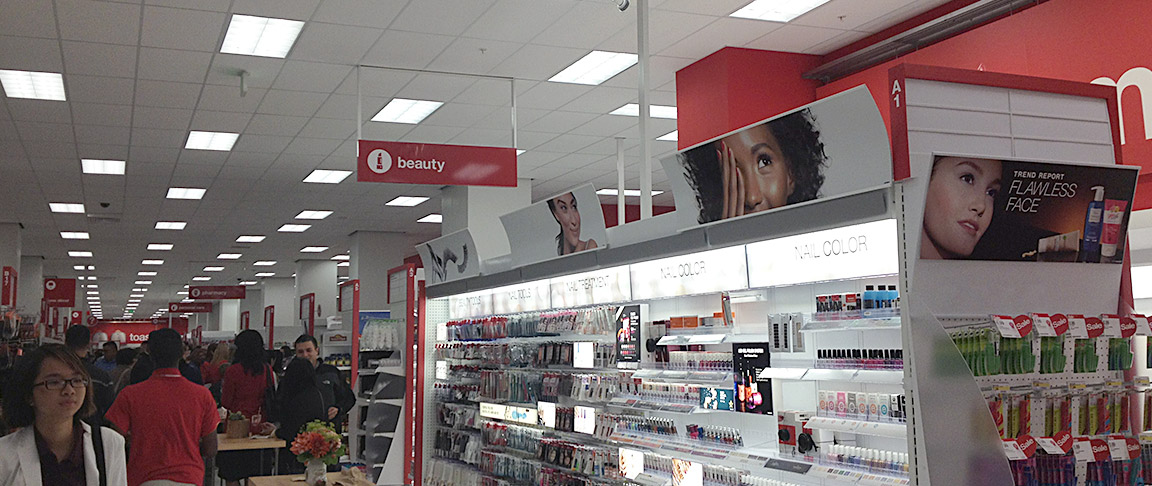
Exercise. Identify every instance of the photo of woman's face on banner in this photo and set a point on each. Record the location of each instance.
(1009, 210)
(567, 223)
(830, 147)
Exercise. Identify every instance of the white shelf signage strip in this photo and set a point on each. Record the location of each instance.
(531, 296)
(696, 273)
(591, 288)
(471, 304)
(862, 250)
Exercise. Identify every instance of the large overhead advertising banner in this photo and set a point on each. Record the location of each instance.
(570, 222)
(449, 257)
(827, 148)
(1013, 210)
(442, 165)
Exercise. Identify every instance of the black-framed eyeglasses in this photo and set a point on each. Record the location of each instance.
(58, 384)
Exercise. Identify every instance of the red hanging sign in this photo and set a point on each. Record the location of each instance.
(269, 317)
(423, 163)
(60, 292)
(8, 289)
(216, 292)
(76, 318)
(194, 307)
(245, 318)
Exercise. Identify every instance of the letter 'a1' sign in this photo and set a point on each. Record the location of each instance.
(424, 163)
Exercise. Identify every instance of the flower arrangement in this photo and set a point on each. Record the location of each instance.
(318, 441)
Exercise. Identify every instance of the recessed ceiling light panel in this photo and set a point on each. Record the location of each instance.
(294, 228)
(776, 10)
(106, 167)
(170, 225)
(219, 141)
(74, 235)
(313, 249)
(260, 36)
(655, 111)
(324, 176)
(431, 218)
(66, 207)
(411, 112)
(313, 214)
(33, 85)
(185, 193)
(595, 68)
(406, 201)
(250, 239)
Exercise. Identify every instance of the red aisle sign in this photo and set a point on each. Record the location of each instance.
(245, 319)
(76, 318)
(60, 292)
(269, 316)
(8, 289)
(422, 163)
(216, 292)
(196, 307)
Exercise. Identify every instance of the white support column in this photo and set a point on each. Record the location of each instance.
(479, 209)
(645, 110)
(30, 284)
(315, 277)
(372, 254)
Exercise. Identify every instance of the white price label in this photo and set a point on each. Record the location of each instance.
(1043, 325)
(1077, 327)
(1118, 448)
(1006, 326)
(1012, 450)
(1143, 328)
(1111, 325)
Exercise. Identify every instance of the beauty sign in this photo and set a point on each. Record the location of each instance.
(1013, 327)
(441, 165)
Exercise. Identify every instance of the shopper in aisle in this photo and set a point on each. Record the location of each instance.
(762, 167)
(337, 393)
(567, 214)
(125, 358)
(961, 201)
(108, 361)
(302, 402)
(287, 353)
(244, 388)
(47, 395)
(77, 339)
(188, 370)
(170, 421)
(213, 369)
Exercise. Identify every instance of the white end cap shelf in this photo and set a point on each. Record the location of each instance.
(879, 429)
(893, 377)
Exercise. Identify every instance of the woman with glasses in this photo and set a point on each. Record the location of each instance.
(48, 393)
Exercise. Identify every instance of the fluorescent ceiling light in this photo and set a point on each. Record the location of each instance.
(133, 301)
(324, 176)
(74, 235)
(66, 207)
(145, 274)
(228, 256)
(520, 151)
(408, 201)
(93, 297)
(401, 110)
(260, 36)
(91, 267)
(183, 292)
(136, 296)
(672, 136)
(313, 249)
(344, 264)
(265, 263)
(595, 68)
(294, 228)
(220, 141)
(33, 85)
(627, 192)
(313, 214)
(213, 269)
(97, 166)
(93, 292)
(80, 254)
(342, 257)
(266, 274)
(78, 267)
(139, 290)
(777, 10)
(185, 193)
(170, 225)
(655, 111)
(92, 286)
(248, 282)
(250, 239)
(201, 279)
(151, 262)
(142, 282)
(160, 246)
(431, 218)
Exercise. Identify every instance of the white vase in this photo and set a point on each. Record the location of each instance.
(315, 473)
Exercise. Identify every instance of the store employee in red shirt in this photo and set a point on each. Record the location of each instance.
(170, 421)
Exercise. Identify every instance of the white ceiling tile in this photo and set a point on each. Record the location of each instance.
(462, 115)
(99, 59)
(586, 25)
(329, 128)
(107, 150)
(550, 96)
(295, 103)
(295, 10)
(98, 114)
(287, 126)
(262, 143)
(445, 17)
(312, 146)
(559, 122)
(366, 13)
(153, 155)
(385, 131)
(150, 137)
(311, 76)
(226, 70)
(167, 94)
(37, 150)
(484, 91)
(250, 159)
(476, 56)
(342, 107)
(379, 82)
(430, 86)
(723, 32)
(246, 174)
(32, 18)
(901, 14)
(549, 171)
(30, 54)
(333, 43)
(715, 8)
(412, 50)
(606, 125)
(202, 157)
(536, 158)
(848, 14)
(213, 5)
(538, 62)
(106, 22)
(227, 98)
(517, 20)
(431, 134)
(483, 137)
(102, 134)
(568, 143)
(171, 28)
(220, 121)
(173, 65)
(794, 38)
(163, 118)
(527, 140)
(602, 99)
(98, 89)
(39, 110)
(837, 42)
(187, 175)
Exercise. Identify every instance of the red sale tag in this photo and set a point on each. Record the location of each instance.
(1100, 449)
(1027, 444)
(1094, 325)
(1023, 324)
(1133, 448)
(1059, 324)
(1127, 327)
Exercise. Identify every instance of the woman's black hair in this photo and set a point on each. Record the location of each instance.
(18, 411)
(800, 143)
(142, 369)
(250, 352)
(560, 235)
(300, 376)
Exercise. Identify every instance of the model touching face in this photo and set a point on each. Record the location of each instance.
(756, 175)
(961, 197)
(52, 402)
(568, 215)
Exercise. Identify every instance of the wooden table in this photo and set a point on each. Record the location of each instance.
(285, 480)
(224, 444)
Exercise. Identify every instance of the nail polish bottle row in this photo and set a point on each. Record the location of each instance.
(868, 359)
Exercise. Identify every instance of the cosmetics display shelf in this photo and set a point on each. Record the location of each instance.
(1049, 380)
(723, 377)
(816, 324)
(566, 337)
(893, 377)
(711, 338)
(897, 430)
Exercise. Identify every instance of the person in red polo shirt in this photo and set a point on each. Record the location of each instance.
(170, 421)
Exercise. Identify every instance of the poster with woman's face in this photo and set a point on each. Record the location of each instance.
(1011, 210)
(562, 224)
(831, 147)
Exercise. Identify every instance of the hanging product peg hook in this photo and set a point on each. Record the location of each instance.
(243, 83)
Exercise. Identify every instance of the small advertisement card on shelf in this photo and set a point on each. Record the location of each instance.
(1026, 211)
(717, 399)
(441, 165)
(753, 395)
(568, 223)
(628, 321)
(449, 257)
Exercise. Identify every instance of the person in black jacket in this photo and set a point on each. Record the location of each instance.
(338, 396)
(77, 339)
(301, 402)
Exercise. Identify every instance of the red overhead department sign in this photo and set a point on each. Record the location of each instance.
(8, 290)
(421, 163)
(60, 292)
(216, 292)
(196, 307)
